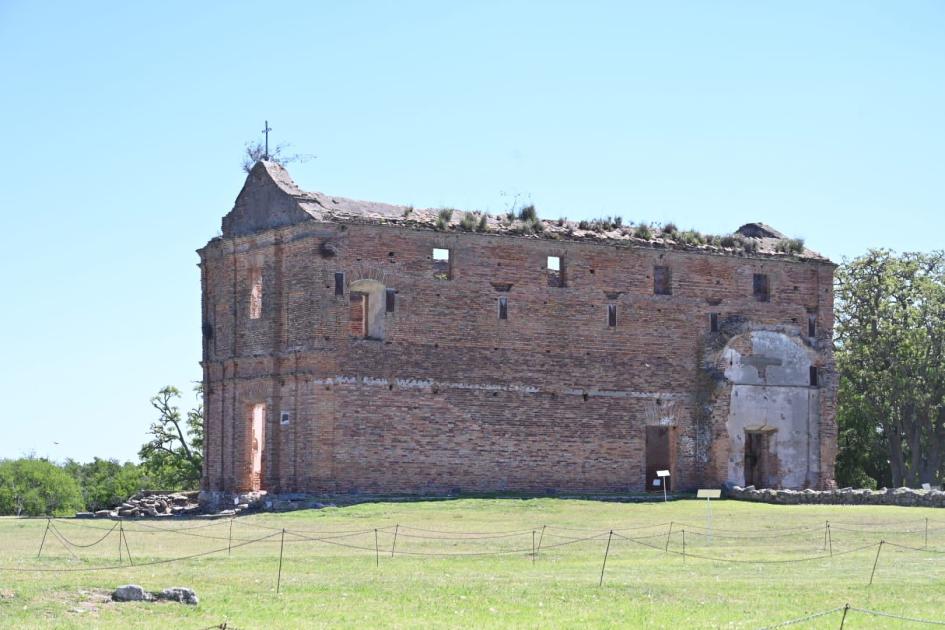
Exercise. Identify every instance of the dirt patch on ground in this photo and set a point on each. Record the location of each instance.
(84, 601)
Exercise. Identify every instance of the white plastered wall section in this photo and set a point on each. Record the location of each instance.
(771, 392)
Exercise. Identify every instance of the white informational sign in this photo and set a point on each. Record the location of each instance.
(658, 482)
(926, 486)
(708, 494)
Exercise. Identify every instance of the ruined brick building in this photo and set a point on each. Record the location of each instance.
(357, 347)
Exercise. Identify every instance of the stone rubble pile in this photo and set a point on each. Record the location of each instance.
(152, 504)
(843, 496)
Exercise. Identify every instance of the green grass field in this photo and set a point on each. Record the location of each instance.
(491, 578)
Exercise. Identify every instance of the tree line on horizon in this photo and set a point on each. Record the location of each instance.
(889, 342)
(170, 460)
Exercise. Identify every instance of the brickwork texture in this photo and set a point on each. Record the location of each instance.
(382, 374)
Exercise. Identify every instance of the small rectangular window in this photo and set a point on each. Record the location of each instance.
(714, 322)
(555, 272)
(812, 325)
(255, 294)
(813, 376)
(760, 287)
(611, 314)
(442, 268)
(339, 283)
(661, 280)
(284, 417)
(503, 308)
(389, 300)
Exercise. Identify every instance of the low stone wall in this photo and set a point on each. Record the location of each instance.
(843, 496)
(230, 503)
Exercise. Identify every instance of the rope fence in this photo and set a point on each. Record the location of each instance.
(845, 611)
(864, 527)
(669, 539)
(409, 532)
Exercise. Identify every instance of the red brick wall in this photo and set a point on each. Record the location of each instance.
(455, 398)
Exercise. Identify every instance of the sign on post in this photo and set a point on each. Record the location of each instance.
(662, 474)
(708, 495)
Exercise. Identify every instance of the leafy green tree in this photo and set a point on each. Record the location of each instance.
(862, 461)
(173, 458)
(890, 343)
(37, 487)
(105, 483)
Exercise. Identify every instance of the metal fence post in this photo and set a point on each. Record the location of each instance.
(606, 553)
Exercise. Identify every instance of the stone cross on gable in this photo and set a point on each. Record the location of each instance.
(761, 363)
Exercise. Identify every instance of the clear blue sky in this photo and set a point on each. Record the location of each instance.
(123, 126)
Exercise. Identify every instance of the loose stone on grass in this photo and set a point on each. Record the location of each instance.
(131, 593)
(179, 594)
(135, 593)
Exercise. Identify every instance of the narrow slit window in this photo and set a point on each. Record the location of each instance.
(760, 287)
(389, 300)
(442, 267)
(284, 417)
(813, 376)
(255, 294)
(714, 322)
(555, 269)
(503, 308)
(339, 283)
(812, 325)
(611, 315)
(661, 280)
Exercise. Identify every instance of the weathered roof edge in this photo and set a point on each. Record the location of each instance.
(270, 198)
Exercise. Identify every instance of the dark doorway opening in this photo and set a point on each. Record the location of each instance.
(758, 459)
(660, 455)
